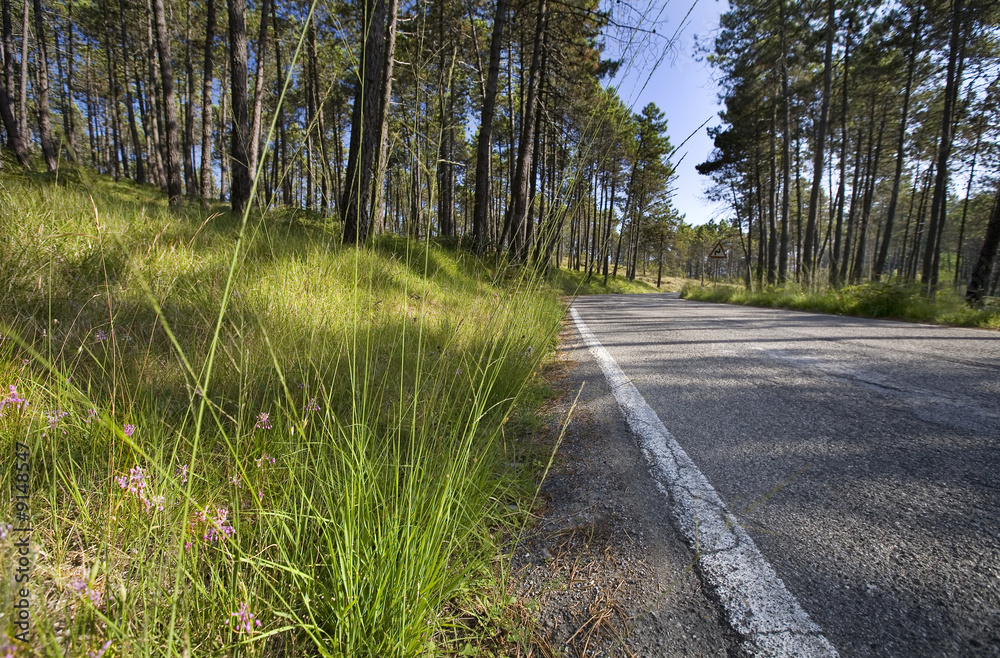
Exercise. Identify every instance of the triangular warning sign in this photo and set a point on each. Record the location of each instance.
(718, 251)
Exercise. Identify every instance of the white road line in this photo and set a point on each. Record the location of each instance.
(765, 615)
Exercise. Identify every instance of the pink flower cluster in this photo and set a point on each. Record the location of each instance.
(136, 483)
(246, 621)
(81, 587)
(13, 400)
(218, 528)
(53, 417)
(263, 420)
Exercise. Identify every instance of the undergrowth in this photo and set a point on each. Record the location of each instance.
(575, 282)
(899, 301)
(244, 438)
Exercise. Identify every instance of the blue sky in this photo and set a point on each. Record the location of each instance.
(680, 85)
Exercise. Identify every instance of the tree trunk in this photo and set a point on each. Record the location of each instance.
(22, 86)
(859, 258)
(258, 94)
(14, 142)
(174, 189)
(935, 226)
(366, 126)
(883, 251)
(968, 193)
(810, 242)
(140, 169)
(388, 58)
(772, 198)
(8, 45)
(206, 104)
(484, 141)
(852, 213)
(42, 99)
(519, 185)
(154, 95)
(223, 147)
(786, 153)
(240, 155)
(190, 184)
(977, 282)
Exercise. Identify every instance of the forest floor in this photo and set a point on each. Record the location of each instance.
(602, 567)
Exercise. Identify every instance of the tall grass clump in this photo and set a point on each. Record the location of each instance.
(246, 439)
(898, 301)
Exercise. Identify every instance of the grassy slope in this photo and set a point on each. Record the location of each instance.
(318, 431)
(876, 300)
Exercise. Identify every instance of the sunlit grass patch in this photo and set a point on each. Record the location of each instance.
(897, 301)
(315, 464)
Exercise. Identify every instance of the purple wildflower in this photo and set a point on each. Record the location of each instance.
(265, 458)
(98, 654)
(53, 417)
(135, 483)
(100, 336)
(312, 406)
(13, 400)
(235, 479)
(4, 530)
(91, 415)
(182, 473)
(246, 621)
(263, 420)
(81, 587)
(220, 527)
(129, 430)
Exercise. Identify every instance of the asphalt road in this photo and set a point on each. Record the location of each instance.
(862, 456)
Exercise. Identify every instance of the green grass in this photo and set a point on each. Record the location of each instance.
(319, 431)
(874, 300)
(574, 282)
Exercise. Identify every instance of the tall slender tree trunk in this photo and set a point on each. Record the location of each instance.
(835, 260)
(174, 190)
(154, 97)
(852, 213)
(935, 226)
(484, 141)
(240, 155)
(42, 99)
(223, 146)
(858, 269)
(206, 103)
(22, 85)
(15, 139)
(7, 21)
(258, 94)
(519, 186)
(190, 182)
(366, 126)
(14, 142)
(981, 271)
(786, 152)
(965, 204)
(119, 151)
(140, 169)
(911, 66)
(381, 164)
(818, 157)
(772, 198)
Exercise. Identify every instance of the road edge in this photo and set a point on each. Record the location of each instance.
(761, 611)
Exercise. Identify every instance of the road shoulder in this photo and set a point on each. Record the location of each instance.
(608, 572)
